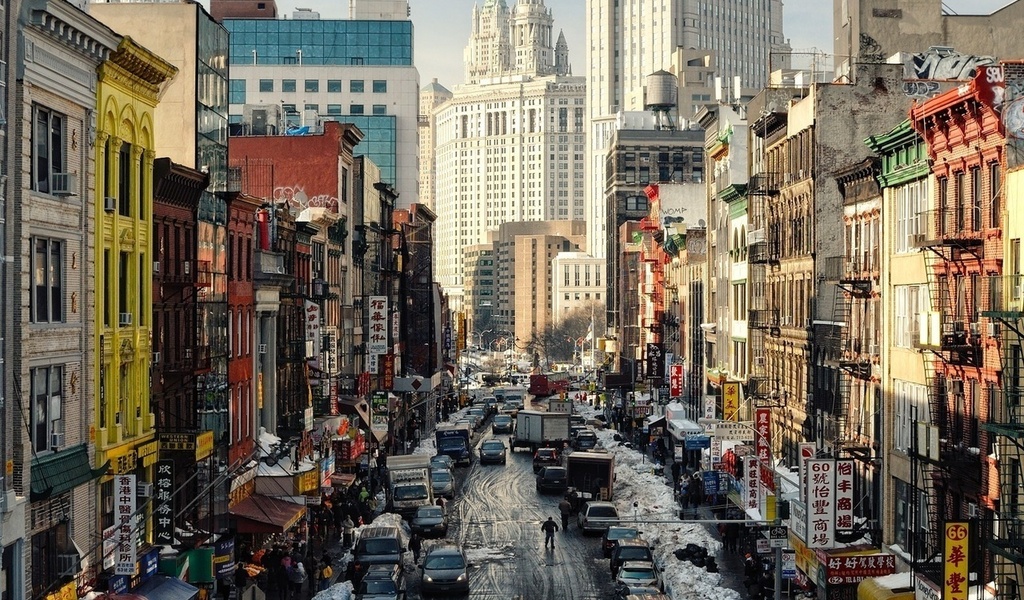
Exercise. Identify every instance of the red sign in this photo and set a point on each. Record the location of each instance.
(763, 446)
(675, 381)
(840, 570)
(388, 377)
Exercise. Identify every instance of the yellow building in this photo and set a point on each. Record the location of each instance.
(128, 90)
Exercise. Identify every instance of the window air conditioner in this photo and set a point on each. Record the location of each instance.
(67, 564)
(109, 203)
(63, 184)
(125, 319)
(263, 348)
(956, 386)
(975, 328)
(188, 354)
(144, 489)
(156, 358)
(156, 266)
(108, 504)
(972, 510)
(993, 329)
(56, 441)
(186, 267)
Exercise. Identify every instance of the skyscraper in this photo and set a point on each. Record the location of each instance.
(629, 41)
(510, 144)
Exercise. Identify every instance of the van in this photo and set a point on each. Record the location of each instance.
(377, 545)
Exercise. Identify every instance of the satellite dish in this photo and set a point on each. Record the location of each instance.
(701, 223)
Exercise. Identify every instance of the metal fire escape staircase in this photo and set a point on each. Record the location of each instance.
(945, 341)
(847, 352)
(762, 317)
(1006, 312)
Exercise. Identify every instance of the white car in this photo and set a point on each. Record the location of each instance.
(597, 517)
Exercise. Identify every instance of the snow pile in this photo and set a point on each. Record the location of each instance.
(338, 591)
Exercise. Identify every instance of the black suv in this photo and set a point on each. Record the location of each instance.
(545, 457)
(377, 545)
(630, 551)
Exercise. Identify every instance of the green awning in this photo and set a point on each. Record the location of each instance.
(62, 471)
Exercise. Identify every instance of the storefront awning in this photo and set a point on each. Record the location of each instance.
(263, 514)
(898, 586)
(355, 406)
(342, 480)
(62, 471)
(655, 421)
(680, 428)
(160, 587)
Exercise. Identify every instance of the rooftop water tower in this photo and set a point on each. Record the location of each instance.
(662, 96)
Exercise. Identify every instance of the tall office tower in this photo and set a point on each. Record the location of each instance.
(509, 145)
(432, 95)
(352, 71)
(629, 41)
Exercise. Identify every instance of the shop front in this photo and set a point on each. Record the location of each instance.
(836, 574)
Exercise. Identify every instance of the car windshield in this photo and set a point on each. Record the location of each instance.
(429, 512)
(444, 562)
(452, 443)
(377, 586)
(632, 553)
(602, 511)
(637, 573)
(554, 473)
(546, 453)
(494, 446)
(378, 546)
(622, 534)
(442, 476)
(502, 420)
(411, 492)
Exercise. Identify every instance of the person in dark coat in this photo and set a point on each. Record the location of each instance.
(549, 528)
(415, 544)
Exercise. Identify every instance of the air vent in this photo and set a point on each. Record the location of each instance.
(109, 203)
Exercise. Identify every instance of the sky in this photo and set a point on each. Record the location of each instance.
(442, 28)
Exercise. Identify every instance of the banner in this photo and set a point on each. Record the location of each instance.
(750, 478)
(731, 400)
(675, 381)
(844, 495)
(763, 446)
(954, 577)
(124, 509)
(163, 503)
(655, 361)
(377, 334)
(821, 503)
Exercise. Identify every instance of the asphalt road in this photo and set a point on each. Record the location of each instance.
(496, 517)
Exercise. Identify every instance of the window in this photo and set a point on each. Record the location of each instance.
(312, 85)
(911, 202)
(911, 302)
(266, 85)
(334, 109)
(356, 86)
(315, 107)
(124, 180)
(47, 148)
(48, 281)
(288, 85)
(236, 91)
(994, 191)
(976, 197)
(333, 86)
(47, 402)
(380, 86)
(380, 109)
(355, 109)
(636, 202)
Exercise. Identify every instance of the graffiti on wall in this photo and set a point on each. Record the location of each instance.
(297, 200)
(924, 72)
(1003, 88)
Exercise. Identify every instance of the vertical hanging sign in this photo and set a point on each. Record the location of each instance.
(675, 381)
(763, 446)
(844, 495)
(377, 336)
(821, 502)
(379, 414)
(312, 319)
(124, 509)
(163, 504)
(954, 577)
(730, 400)
(752, 501)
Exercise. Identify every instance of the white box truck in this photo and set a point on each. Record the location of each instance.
(538, 429)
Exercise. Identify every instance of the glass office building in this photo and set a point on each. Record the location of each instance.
(315, 42)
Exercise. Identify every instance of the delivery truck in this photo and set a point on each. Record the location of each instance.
(454, 440)
(409, 485)
(591, 475)
(538, 429)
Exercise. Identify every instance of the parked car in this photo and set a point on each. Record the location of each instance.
(493, 451)
(430, 521)
(575, 430)
(544, 457)
(552, 479)
(639, 573)
(445, 571)
(470, 420)
(442, 483)
(585, 440)
(377, 545)
(638, 592)
(596, 517)
(610, 539)
(630, 551)
(480, 413)
(501, 424)
(577, 420)
(382, 582)
(442, 461)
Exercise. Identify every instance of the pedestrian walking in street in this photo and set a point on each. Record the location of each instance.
(549, 528)
(348, 527)
(565, 508)
(415, 544)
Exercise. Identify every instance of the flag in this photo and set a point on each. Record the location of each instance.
(590, 331)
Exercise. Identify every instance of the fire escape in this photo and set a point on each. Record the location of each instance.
(186, 284)
(941, 464)
(763, 316)
(653, 285)
(1006, 543)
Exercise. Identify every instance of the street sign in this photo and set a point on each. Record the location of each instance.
(778, 536)
(731, 430)
(763, 547)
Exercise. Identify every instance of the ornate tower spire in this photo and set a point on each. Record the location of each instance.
(562, 55)
(487, 53)
(531, 25)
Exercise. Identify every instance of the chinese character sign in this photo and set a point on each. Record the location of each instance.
(751, 501)
(655, 361)
(124, 534)
(163, 503)
(379, 413)
(311, 317)
(954, 577)
(821, 503)
(844, 495)
(730, 400)
(763, 445)
(377, 334)
(806, 450)
(675, 381)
